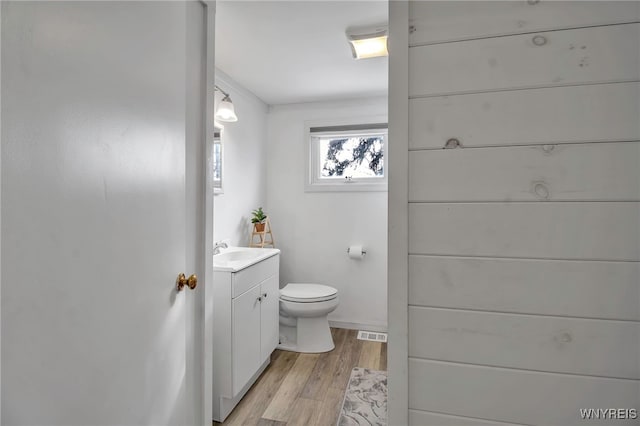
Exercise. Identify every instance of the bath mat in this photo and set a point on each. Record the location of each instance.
(365, 401)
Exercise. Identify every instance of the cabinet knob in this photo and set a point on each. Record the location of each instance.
(260, 299)
(264, 295)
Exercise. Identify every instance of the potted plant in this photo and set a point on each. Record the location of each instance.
(258, 219)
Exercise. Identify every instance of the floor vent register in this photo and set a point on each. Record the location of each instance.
(372, 336)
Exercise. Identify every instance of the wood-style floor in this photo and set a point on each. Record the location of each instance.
(307, 389)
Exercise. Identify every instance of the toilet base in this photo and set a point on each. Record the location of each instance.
(309, 335)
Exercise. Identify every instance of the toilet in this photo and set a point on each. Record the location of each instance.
(304, 326)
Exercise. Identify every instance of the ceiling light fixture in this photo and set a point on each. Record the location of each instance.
(225, 110)
(368, 42)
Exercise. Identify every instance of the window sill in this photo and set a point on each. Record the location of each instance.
(346, 187)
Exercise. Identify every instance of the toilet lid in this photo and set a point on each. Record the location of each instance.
(308, 293)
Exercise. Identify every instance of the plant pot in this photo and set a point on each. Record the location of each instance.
(259, 227)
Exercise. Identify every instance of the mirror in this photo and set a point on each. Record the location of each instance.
(217, 159)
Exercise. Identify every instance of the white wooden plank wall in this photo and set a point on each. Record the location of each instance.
(417, 417)
(524, 243)
(532, 342)
(577, 172)
(569, 114)
(571, 57)
(440, 21)
(517, 396)
(543, 230)
(528, 286)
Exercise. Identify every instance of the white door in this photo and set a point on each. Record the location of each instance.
(93, 213)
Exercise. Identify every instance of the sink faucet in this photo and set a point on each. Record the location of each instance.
(218, 246)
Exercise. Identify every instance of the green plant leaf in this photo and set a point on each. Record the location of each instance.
(258, 215)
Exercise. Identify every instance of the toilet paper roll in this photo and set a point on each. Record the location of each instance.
(356, 252)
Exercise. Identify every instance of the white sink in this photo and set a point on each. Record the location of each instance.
(235, 259)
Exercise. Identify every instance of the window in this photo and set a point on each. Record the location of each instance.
(347, 157)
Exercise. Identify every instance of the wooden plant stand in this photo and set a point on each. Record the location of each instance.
(262, 240)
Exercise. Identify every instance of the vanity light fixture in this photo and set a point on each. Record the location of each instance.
(368, 42)
(225, 110)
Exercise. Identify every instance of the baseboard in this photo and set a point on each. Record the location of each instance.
(382, 328)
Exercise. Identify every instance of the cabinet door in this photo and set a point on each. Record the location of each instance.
(245, 337)
(270, 321)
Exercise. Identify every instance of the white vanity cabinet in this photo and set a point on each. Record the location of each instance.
(254, 329)
(246, 325)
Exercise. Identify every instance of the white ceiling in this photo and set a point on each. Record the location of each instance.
(296, 51)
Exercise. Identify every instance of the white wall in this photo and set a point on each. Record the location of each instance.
(244, 164)
(313, 230)
(524, 244)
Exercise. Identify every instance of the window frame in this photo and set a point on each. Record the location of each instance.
(343, 127)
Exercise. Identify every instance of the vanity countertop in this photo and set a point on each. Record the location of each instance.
(234, 259)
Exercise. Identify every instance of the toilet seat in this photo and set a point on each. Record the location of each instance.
(307, 293)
